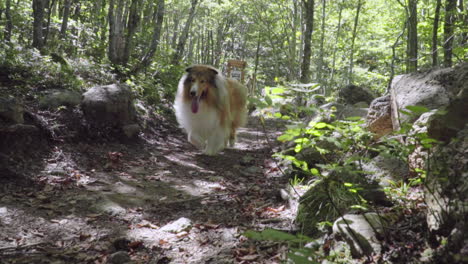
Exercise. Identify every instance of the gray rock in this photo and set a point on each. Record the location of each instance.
(386, 169)
(445, 126)
(352, 94)
(11, 110)
(360, 232)
(132, 130)
(446, 185)
(119, 257)
(430, 89)
(379, 117)
(56, 98)
(110, 105)
(182, 224)
(332, 111)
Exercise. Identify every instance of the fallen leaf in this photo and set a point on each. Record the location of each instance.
(135, 244)
(148, 225)
(162, 242)
(249, 257)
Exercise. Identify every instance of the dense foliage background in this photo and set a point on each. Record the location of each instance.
(332, 43)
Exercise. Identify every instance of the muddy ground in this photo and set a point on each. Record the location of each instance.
(153, 200)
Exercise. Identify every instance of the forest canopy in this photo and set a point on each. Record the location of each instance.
(332, 43)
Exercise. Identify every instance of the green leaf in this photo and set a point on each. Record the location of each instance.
(314, 171)
(416, 109)
(320, 125)
(268, 100)
(286, 137)
(354, 118)
(270, 234)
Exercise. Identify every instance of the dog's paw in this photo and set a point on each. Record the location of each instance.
(212, 150)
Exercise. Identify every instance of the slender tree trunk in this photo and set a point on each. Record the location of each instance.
(148, 58)
(335, 48)
(133, 21)
(293, 40)
(322, 52)
(183, 37)
(66, 15)
(450, 17)
(9, 23)
(435, 28)
(464, 18)
(353, 40)
(175, 32)
(49, 16)
(412, 43)
(223, 28)
(309, 27)
(38, 24)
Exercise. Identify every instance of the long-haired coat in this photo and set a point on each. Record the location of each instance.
(210, 108)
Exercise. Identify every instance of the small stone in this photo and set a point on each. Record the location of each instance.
(120, 257)
(182, 224)
(131, 130)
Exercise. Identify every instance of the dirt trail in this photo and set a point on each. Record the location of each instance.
(155, 201)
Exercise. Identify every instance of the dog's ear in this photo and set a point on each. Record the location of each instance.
(189, 69)
(214, 71)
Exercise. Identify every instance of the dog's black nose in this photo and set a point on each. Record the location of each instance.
(193, 93)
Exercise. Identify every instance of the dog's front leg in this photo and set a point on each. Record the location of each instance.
(215, 142)
(196, 141)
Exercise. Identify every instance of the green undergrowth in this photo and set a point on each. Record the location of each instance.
(327, 158)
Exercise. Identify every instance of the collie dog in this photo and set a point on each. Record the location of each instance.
(210, 108)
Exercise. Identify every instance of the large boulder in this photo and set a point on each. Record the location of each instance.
(352, 94)
(379, 116)
(432, 89)
(446, 124)
(56, 98)
(335, 111)
(11, 111)
(110, 106)
(386, 169)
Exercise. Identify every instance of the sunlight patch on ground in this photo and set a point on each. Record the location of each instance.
(25, 229)
(199, 187)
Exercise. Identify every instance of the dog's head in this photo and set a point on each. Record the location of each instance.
(200, 84)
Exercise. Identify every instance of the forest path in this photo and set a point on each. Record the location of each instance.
(156, 201)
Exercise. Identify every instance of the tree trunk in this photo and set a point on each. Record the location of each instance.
(223, 28)
(49, 16)
(175, 31)
(335, 47)
(353, 40)
(412, 43)
(133, 21)
(309, 27)
(293, 40)
(450, 18)
(183, 37)
(38, 24)
(116, 32)
(464, 19)
(148, 58)
(435, 28)
(322, 52)
(66, 15)
(9, 23)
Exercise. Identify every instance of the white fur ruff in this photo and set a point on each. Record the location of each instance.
(204, 128)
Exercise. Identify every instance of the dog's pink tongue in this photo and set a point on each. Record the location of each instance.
(195, 103)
